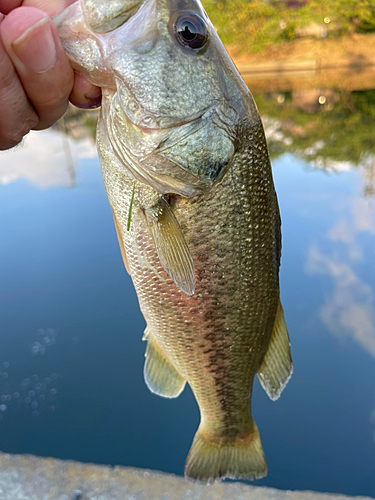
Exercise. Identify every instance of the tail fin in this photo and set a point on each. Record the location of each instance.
(213, 457)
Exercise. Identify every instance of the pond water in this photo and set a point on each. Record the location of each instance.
(71, 354)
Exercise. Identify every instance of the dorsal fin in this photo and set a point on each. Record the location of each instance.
(277, 367)
(170, 245)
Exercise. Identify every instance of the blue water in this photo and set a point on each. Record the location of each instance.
(71, 354)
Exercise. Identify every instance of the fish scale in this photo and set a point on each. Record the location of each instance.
(224, 294)
(188, 178)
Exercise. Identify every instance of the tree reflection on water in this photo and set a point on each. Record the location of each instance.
(330, 129)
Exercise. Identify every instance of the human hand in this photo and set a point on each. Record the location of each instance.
(36, 79)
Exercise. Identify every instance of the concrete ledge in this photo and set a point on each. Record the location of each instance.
(25, 477)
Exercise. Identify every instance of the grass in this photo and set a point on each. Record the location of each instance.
(254, 24)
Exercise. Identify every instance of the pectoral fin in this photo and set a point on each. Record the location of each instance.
(277, 367)
(170, 245)
(160, 376)
(121, 243)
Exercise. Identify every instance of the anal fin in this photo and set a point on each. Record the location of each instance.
(160, 376)
(170, 245)
(277, 367)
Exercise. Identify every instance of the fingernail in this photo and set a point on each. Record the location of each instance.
(36, 48)
(94, 94)
(93, 103)
(86, 88)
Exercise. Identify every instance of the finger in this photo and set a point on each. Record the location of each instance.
(84, 94)
(7, 5)
(33, 45)
(51, 8)
(17, 116)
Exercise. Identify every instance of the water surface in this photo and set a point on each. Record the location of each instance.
(71, 354)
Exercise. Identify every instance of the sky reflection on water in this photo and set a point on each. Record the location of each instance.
(42, 159)
(71, 352)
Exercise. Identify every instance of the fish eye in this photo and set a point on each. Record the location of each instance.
(191, 30)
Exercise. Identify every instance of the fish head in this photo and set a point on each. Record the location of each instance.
(172, 98)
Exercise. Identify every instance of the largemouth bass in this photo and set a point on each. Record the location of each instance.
(188, 177)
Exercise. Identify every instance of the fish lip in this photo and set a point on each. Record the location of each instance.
(150, 130)
(102, 27)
